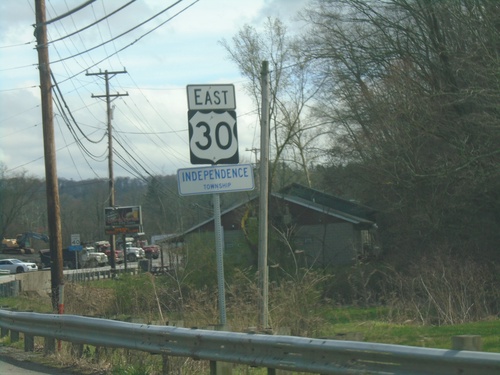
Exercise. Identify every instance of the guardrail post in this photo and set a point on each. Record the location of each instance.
(77, 350)
(165, 364)
(467, 342)
(282, 331)
(14, 336)
(29, 343)
(97, 353)
(4, 331)
(165, 358)
(49, 345)
(220, 368)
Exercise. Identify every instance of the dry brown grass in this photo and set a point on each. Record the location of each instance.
(88, 299)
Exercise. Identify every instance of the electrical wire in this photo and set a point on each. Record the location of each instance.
(69, 126)
(67, 116)
(131, 44)
(172, 152)
(78, 141)
(141, 121)
(70, 114)
(134, 158)
(69, 152)
(64, 15)
(20, 88)
(71, 41)
(120, 35)
(18, 45)
(93, 23)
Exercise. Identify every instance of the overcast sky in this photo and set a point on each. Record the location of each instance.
(151, 122)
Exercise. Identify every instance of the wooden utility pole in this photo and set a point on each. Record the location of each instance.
(53, 206)
(107, 76)
(264, 198)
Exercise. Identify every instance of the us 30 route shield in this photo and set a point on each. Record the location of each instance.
(213, 137)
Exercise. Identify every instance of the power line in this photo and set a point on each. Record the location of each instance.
(93, 23)
(69, 152)
(120, 35)
(136, 106)
(64, 15)
(72, 131)
(69, 111)
(74, 127)
(20, 88)
(135, 41)
(17, 45)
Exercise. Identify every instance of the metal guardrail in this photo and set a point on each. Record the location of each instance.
(10, 285)
(91, 274)
(274, 352)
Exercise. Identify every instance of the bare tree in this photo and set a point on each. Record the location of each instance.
(22, 202)
(410, 89)
(294, 135)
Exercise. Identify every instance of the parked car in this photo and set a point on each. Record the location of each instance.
(152, 251)
(17, 266)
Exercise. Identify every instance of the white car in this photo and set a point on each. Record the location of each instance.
(17, 266)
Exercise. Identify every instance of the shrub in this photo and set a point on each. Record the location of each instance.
(441, 289)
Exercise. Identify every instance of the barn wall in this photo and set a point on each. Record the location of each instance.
(331, 244)
(236, 249)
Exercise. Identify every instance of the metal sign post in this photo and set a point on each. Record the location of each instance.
(75, 246)
(216, 180)
(219, 254)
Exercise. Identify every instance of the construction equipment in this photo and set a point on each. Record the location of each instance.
(22, 243)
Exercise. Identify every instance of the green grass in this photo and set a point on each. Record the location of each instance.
(374, 327)
(27, 303)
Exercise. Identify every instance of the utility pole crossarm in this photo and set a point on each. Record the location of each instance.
(106, 72)
(107, 76)
(106, 95)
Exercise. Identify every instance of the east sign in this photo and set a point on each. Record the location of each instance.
(211, 97)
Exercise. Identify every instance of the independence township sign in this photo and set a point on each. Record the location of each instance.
(215, 179)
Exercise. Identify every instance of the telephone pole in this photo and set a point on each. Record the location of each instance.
(264, 199)
(107, 76)
(53, 205)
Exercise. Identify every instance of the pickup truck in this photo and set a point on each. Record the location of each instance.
(135, 253)
(105, 247)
